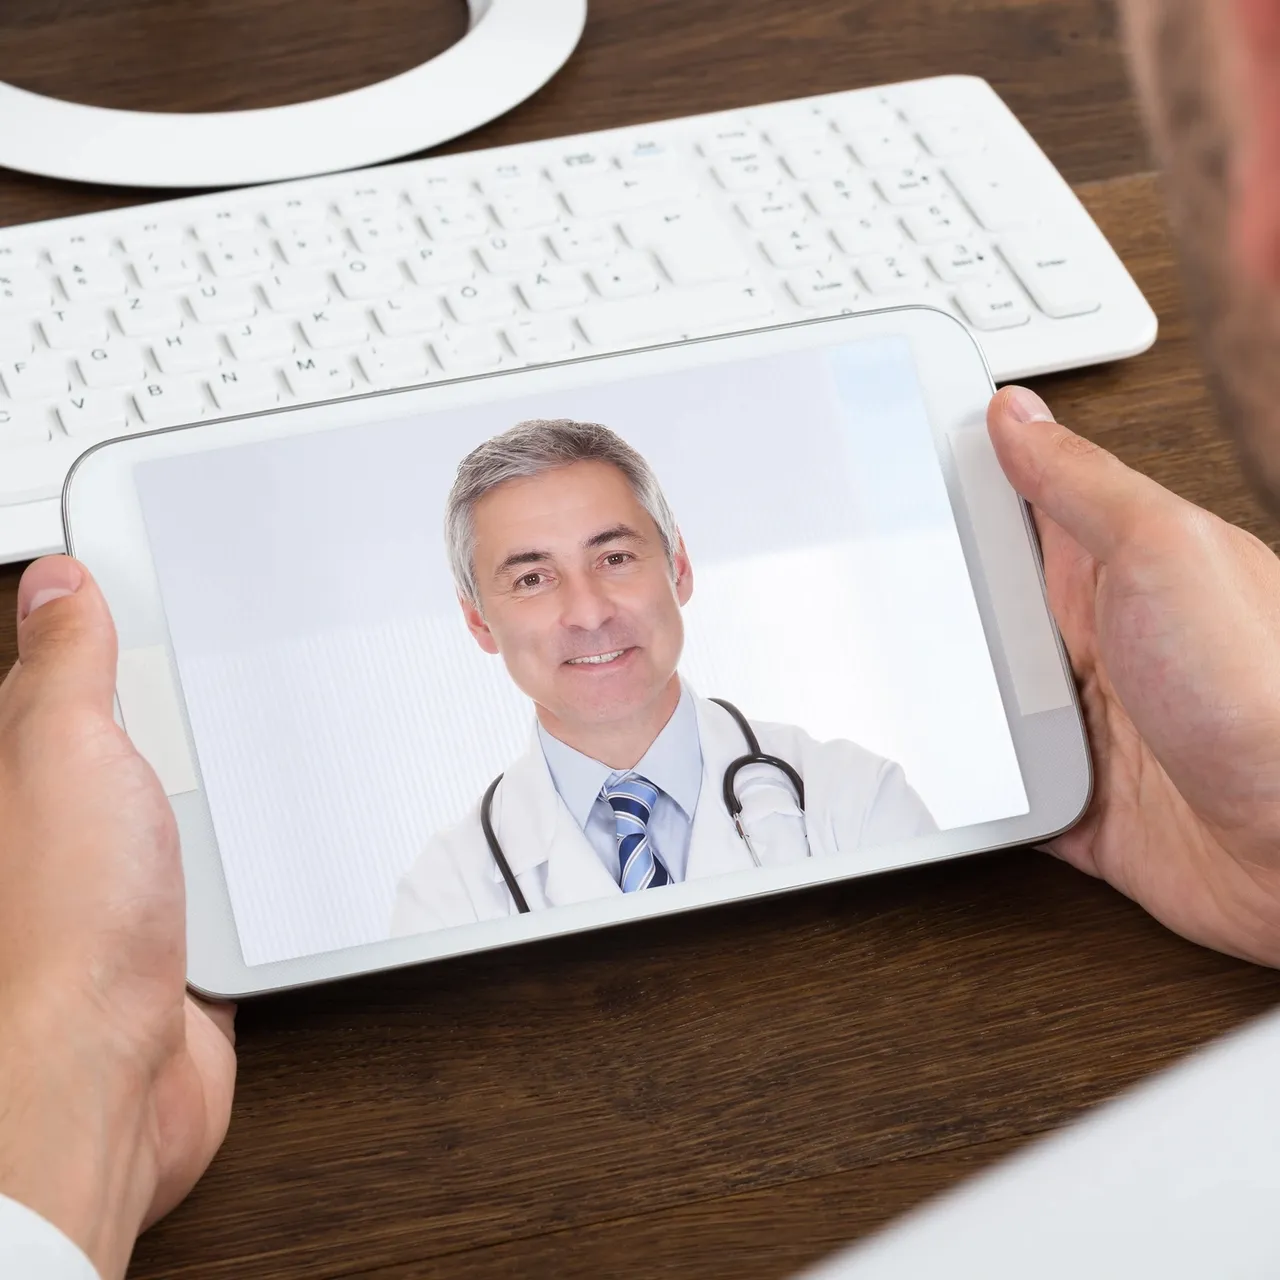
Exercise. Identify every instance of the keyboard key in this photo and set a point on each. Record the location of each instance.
(651, 227)
(624, 322)
(440, 264)
(293, 289)
(266, 338)
(505, 254)
(995, 198)
(93, 413)
(892, 273)
(578, 166)
(410, 311)
(583, 242)
(168, 402)
(361, 278)
(1056, 277)
(816, 159)
(15, 257)
(456, 220)
(297, 211)
(80, 246)
(509, 176)
(92, 280)
(16, 337)
(865, 114)
(142, 315)
(961, 261)
(872, 233)
(746, 171)
(884, 148)
(354, 205)
(621, 191)
(166, 267)
(480, 300)
(467, 350)
(245, 388)
(625, 275)
(849, 196)
(188, 351)
(796, 248)
(38, 377)
(910, 185)
(993, 304)
(694, 260)
(541, 338)
(552, 288)
(945, 137)
(828, 287)
(23, 288)
(114, 364)
(234, 258)
(22, 424)
(647, 152)
(430, 190)
(769, 210)
(936, 223)
(397, 363)
(221, 302)
(526, 210)
(790, 123)
(71, 327)
(374, 233)
(309, 246)
(140, 240)
(334, 326)
(729, 137)
(318, 376)
(224, 224)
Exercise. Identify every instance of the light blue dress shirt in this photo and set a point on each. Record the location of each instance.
(673, 764)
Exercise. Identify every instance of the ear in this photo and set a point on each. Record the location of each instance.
(477, 625)
(684, 572)
(1256, 230)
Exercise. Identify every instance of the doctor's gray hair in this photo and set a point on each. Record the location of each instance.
(526, 450)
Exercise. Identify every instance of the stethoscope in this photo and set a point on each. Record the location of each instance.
(728, 788)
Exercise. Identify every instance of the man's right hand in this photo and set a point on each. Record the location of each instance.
(1172, 621)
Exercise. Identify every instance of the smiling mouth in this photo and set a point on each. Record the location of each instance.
(596, 659)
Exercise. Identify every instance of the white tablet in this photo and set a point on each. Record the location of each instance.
(436, 670)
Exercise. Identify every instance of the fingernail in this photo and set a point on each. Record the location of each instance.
(1025, 406)
(46, 580)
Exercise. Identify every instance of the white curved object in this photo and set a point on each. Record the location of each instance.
(511, 50)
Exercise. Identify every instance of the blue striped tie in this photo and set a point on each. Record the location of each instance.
(632, 798)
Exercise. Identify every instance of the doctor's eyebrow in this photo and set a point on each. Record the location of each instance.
(619, 533)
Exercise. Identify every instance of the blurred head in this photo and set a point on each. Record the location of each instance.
(568, 563)
(1208, 74)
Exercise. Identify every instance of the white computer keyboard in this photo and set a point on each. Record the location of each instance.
(928, 191)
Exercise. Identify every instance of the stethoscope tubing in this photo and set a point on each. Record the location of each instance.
(728, 788)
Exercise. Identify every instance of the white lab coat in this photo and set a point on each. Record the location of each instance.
(853, 799)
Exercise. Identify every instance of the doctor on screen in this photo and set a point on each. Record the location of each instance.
(569, 565)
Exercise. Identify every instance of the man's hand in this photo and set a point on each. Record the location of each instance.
(1172, 620)
(115, 1086)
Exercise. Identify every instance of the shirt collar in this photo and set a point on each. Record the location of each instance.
(673, 763)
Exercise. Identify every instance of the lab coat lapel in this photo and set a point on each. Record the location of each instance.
(714, 844)
(535, 828)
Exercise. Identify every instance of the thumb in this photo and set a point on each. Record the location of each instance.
(1081, 487)
(66, 639)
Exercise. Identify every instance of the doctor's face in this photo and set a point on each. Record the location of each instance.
(577, 595)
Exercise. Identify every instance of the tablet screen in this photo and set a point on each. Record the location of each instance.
(374, 624)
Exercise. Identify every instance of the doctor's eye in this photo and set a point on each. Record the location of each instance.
(615, 558)
(527, 581)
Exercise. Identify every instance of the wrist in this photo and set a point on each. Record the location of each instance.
(76, 1142)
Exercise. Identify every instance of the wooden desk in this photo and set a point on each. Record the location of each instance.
(737, 1092)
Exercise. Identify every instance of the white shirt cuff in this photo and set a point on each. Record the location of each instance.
(32, 1248)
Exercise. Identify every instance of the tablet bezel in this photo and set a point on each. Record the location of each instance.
(103, 525)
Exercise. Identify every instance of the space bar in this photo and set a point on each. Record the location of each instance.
(673, 313)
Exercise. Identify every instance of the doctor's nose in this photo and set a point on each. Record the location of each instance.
(585, 603)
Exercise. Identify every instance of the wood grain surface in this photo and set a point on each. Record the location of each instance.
(736, 1092)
